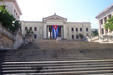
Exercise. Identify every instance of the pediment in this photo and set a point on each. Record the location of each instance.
(54, 17)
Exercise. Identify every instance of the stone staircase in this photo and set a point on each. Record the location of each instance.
(58, 58)
(75, 67)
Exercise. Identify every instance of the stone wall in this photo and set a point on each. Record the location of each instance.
(6, 38)
(9, 40)
(18, 40)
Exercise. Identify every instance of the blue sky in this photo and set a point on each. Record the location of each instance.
(73, 10)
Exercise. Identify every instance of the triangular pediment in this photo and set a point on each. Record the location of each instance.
(54, 17)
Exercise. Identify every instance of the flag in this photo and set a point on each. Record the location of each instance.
(55, 31)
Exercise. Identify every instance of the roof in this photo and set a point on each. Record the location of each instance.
(55, 17)
(104, 11)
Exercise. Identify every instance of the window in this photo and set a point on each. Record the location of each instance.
(26, 28)
(101, 21)
(77, 37)
(76, 29)
(73, 37)
(105, 19)
(102, 31)
(87, 29)
(109, 16)
(14, 11)
(35, 28)
(72, 29)
(35, 36)
(80, 29)
(31, 28)
(16, 14)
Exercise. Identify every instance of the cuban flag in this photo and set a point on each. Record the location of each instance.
(55, 31)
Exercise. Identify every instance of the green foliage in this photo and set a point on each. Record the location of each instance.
(109, 24)
(81, 36)
(8, 20)
(29, 33)
(95, 33)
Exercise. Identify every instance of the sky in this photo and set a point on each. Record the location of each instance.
(73, 10)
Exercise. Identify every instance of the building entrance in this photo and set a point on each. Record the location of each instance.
(54, 31)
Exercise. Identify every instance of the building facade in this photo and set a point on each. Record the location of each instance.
(55, 26)
(102, 19)
(12, 7)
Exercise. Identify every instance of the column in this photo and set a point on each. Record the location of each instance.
(62, 32)
(46, 32)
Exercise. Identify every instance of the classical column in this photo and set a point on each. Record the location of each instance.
(62, 32)
(44, 31)
(47, 32)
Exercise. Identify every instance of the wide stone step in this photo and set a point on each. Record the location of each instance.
(59, 67)
(74, 61)
(104, 72)
(53, 67)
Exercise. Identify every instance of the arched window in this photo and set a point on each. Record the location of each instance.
(30, 28)
(72, 29)
(35, 28)
(73, 37)
(26, 28)
(76, 29)
(77, 37)
(35, 36)
(81, 29)
(87, 29)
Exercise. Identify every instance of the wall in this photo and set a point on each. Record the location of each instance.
(33, 24)
(78, 25)
(6, 38)
(18, 40)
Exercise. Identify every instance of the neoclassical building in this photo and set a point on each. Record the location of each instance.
(53, 27)
(102, 19)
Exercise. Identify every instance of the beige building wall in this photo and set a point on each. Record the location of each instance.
(77, 26)
(33, 25)
(12, 7)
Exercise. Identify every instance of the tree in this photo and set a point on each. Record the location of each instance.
(7, 20)
(95, 33)
(109, 24)
(81, 36)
